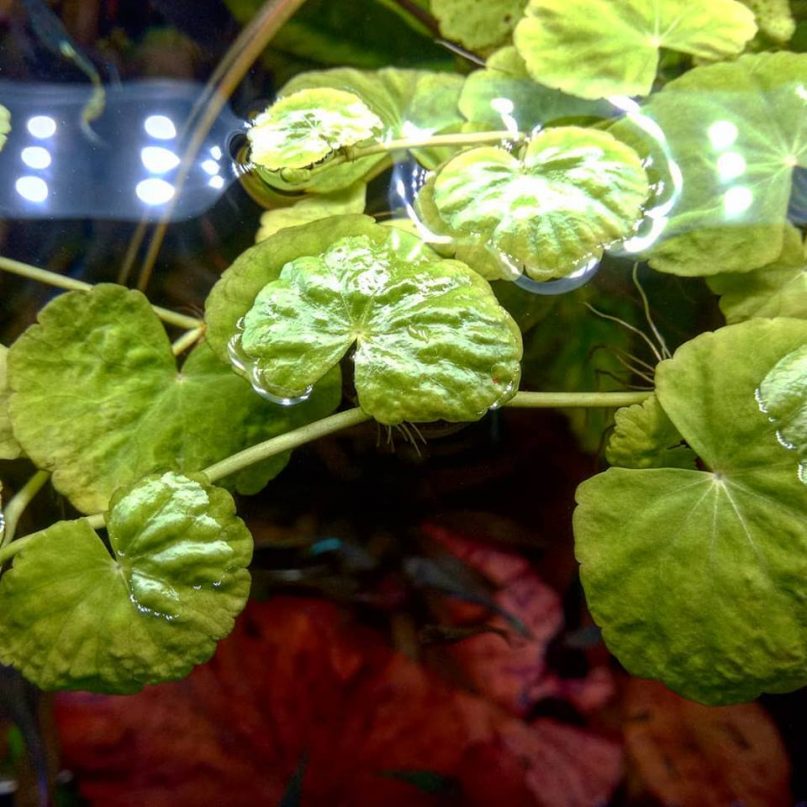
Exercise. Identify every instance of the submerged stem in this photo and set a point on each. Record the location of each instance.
(70, 283)
(576, 400)
(16, 506)
(188, 340)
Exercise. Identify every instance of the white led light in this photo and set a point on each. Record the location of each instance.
(737, 200)
(216, 182)
(158, 160)
(160, 126)
(34, 189)
(216, 153)
(36, 157)
(155, 191)
(211, 167)
(730, 165)
(722, 134)
(41, 126)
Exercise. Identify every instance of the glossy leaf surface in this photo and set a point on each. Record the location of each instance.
(504, 96)
(308, 126)
(78, 616)
(599, 48)
(551, 212)
(98, 399)
(736, 130)
(410, 103)
(783, 397)
(696, 576)
(477, 26)
(431, 340)
(9, 447)
(776, 290)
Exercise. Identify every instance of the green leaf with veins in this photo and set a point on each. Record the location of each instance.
(5, 125)
(308, 126)
(478, 26)
(783, 397)
(697, 576)
(600, 48)
(736, 130)
(504, 94)
(410, 103)
(237, 288)
(644, 437)
(431, 341)
(776, 290)
(9, 447)
(313, 208)
(574, 192)
(99, 402)
(77, 615)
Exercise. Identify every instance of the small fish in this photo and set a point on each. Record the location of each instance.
(51, 32)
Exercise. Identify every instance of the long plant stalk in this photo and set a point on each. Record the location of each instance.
(60, 281)
(240, 57)
(16, 506)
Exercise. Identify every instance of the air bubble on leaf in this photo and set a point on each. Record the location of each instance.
(248, 368)
(563, 285)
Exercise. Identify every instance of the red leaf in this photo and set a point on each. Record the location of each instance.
(516, 676)
(295, 681)
(703, 756)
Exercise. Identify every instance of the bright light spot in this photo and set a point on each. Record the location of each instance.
(216, 182)
(411, 131)
(36, 157)
(801, 92)
(504, 106)
(211, 167)
(656, 41)
(158, 160)
(791, 161)
(34, 189)
(722, 134)
(155, 191)
(737, 200)
(216, 152)
(42, 126)
(730, 166)
(160, 126)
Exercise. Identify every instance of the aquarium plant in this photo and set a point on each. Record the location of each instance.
(647, 136)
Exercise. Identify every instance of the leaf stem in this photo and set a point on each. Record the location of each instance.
(10, 550)
(188, 340)
(285, 442)
(16, 506)
(455, 139)
(62, 282)
(576, 400)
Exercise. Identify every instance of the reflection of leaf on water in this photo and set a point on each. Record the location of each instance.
(701, 756)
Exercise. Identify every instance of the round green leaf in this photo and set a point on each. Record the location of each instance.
(783, 397)
(313, 208)
(237, 288)
(410, 103)
(431, 341)
(307, 126)
(736, 131)
(776, 290)
(9, 447)
(574, 192)
(697, 576)
(98, 399)
(478, 26)
(774, 18)
(77, 615)
(600, 48)
(5, 125)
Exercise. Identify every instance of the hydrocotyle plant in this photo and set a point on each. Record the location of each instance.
(607, 136)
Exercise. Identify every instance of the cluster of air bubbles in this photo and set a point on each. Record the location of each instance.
(247, 367)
